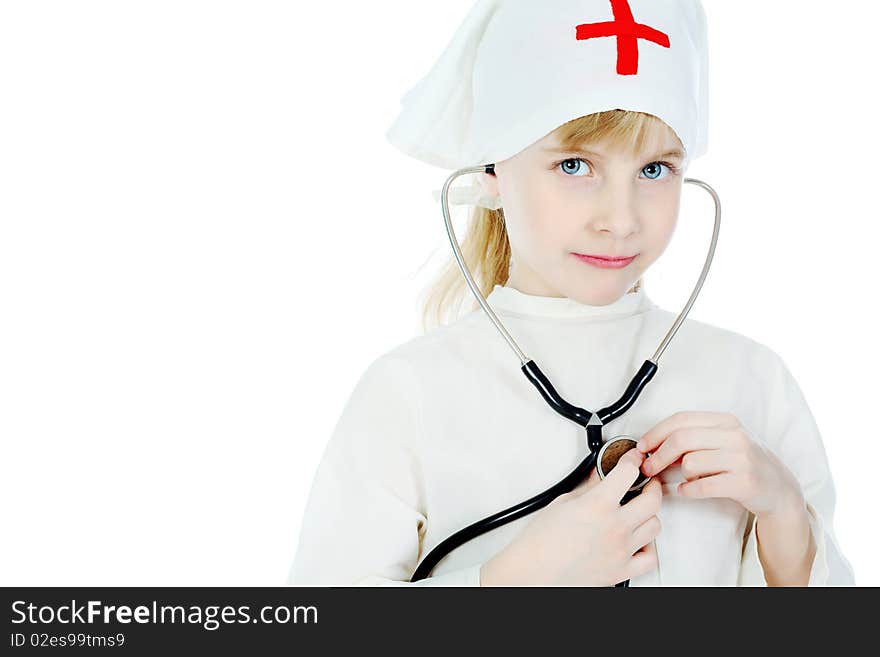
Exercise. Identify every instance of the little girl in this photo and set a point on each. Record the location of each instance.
(591, 111)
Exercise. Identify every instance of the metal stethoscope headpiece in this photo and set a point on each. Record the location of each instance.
(602, 454)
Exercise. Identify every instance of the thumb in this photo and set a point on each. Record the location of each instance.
(623, 475)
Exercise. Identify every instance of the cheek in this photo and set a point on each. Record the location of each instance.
(550, 231)
(534, 219)
(530, 232)
(662, 232)
(660, 222)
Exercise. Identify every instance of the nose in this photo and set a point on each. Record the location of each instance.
(615, 209)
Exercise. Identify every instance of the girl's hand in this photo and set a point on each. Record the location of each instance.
(585, 537)
(720, 459)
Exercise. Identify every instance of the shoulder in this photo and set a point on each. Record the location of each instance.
(441, 346)
(730, 360)
(430, 364)
(715, 341)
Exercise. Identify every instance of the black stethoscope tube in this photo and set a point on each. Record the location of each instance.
(580, 473)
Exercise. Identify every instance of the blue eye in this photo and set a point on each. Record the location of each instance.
(654, 167)
(570, 161)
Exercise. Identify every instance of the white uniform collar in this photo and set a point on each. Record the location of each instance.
(510, 300)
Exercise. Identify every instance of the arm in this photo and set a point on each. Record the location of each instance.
(796, 546)
(786, 545)
(364, 520)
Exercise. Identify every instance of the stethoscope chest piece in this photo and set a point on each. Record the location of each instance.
(610, 453)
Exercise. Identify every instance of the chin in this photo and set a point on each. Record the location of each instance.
(600, 297)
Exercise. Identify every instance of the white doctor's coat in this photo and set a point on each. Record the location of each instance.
(445, 430)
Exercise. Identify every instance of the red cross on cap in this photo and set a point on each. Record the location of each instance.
(628, 33)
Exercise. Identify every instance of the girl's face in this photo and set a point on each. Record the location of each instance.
(601, 201)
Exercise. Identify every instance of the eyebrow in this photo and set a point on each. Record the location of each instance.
(676, 153)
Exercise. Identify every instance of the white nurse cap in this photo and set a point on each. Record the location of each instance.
(518, 69)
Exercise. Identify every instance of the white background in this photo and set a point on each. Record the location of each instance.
(205, 239)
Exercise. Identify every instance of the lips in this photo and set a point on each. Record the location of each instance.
(605, 261)
(605, 257)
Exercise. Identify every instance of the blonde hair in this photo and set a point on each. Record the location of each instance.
(485, 246)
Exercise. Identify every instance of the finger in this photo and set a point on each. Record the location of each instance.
(652, 438)
(622, 476)
(705, 462)
(644, 505)
(642, 562)
(645, 533)
(644, 548)
(684, 440)
(720, 485)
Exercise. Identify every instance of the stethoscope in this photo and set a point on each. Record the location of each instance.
(602, 454)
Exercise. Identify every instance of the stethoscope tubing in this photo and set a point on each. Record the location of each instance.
(592, 422)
